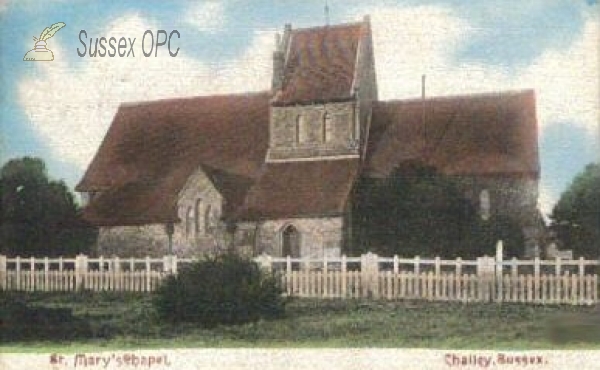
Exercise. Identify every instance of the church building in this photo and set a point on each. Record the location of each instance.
(273, 172)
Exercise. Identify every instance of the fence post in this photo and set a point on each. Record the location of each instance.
(174, 267)
(344, 276)
(498, 270)
(3, 272)
(46, 272)
(31, 274)
(167, 264)
(370, 272)
(148, 287)
(18, 268)
(81, 269)
(536, 279)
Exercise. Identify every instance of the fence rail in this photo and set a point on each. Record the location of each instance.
(368, 276)
(84, 273)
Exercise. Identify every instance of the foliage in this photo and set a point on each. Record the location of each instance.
(122, 321)
(22, 322)
(417, 211)
(39, 216)
(576, 216)
(225, 289)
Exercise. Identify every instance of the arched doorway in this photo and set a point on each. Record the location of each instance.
(290, 242)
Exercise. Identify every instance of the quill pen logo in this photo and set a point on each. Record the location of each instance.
(40, 52)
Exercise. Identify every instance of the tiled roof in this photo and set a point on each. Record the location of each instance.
(320, 64)
(301, 189)
(484, 134)
(152, 148)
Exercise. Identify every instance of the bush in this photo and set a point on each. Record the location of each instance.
(19, 321)
(225, 289)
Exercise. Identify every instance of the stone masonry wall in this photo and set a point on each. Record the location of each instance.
(199, 231)
(132, 241)
(199, 210)
(283, 136)
(318, 236)
(516, 198)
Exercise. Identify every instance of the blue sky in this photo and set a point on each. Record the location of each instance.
(61, 110)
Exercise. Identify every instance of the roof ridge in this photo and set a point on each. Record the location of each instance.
(337, 25)
(134, 104)
(490, 94)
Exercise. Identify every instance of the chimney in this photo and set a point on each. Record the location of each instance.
(281, 44)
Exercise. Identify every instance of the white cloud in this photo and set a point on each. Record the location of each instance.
(206, 16)
(411, 41)
(72, 108)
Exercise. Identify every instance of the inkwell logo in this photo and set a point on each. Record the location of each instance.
(40, 52)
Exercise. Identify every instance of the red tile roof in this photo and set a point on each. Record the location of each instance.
(320, 64)
(484, 134)
(301, 189)
(152, 148)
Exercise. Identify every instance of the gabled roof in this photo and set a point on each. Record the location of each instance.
(300, 189)
(152, 148)
(481, 134)
(320, 64)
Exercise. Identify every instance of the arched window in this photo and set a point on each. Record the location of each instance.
(301, 129)
(189, 219)
(484, 204)
(290, 242)
(197, 213)
(327, 128)
(207, 220)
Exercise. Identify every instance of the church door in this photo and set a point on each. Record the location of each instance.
(290, 242)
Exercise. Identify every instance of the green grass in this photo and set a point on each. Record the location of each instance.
(128, 321)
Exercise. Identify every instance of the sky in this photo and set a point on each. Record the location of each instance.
(61, 110)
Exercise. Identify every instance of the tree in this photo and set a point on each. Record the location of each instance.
(39, 216)
(576, 216)
(417, 211)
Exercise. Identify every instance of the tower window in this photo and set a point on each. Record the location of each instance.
(484, 204)
(327, 128)
(189, 219)
(197, 213)
(301, 130)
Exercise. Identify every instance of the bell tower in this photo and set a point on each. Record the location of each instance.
(323, 86)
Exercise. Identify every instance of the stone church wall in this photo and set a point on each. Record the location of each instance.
(318, 236)
(512, 197)
(283, 131)
(198, 232)
(199, 211)
(132, 241)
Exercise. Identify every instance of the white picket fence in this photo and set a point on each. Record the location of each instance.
(84, 273)
(485, 279)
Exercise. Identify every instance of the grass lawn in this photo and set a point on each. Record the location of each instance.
(127, 321)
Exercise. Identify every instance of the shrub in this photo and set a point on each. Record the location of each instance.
(226, 289)
(20, 321)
